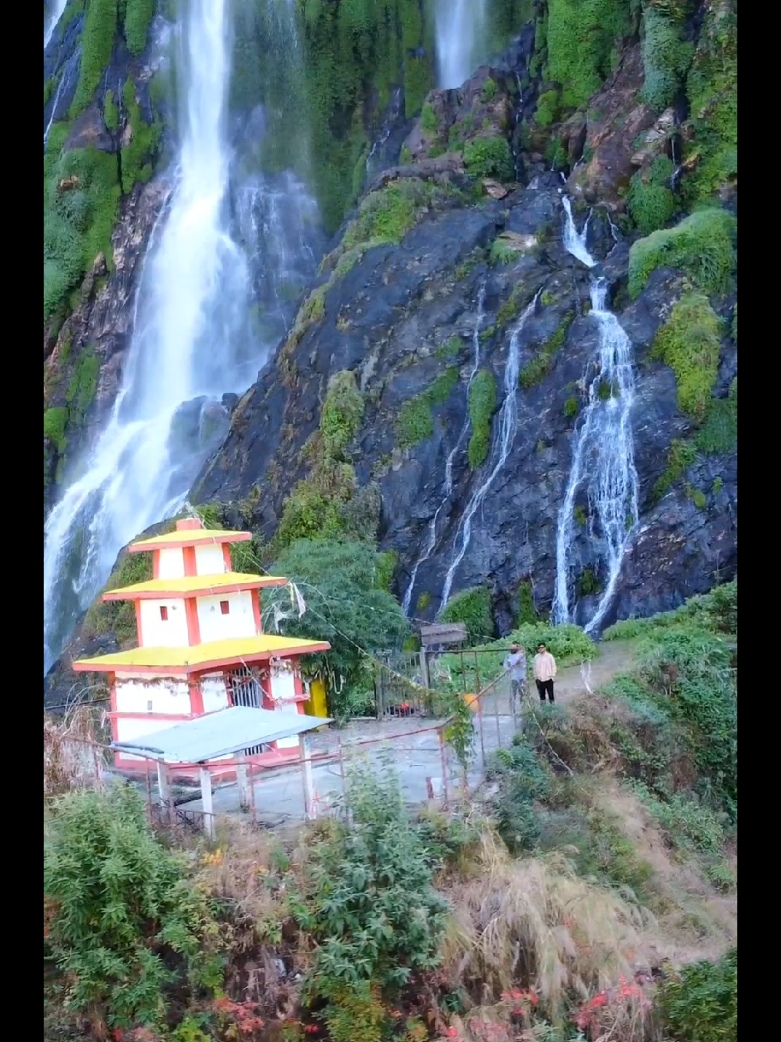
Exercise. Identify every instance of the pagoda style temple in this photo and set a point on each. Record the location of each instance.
(201, 645)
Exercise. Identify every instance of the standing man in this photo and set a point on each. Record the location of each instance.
(544, 673)
(515, 664)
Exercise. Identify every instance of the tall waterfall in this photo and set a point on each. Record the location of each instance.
(447, 489)
(603, 463)
(50, 21)
(500, 450)
(191, 344)
(460, 26)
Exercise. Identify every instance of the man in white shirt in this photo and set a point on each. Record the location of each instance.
(515, 664)
(544, 673)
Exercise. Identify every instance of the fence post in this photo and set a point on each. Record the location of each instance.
(443, 759)
(424, 668)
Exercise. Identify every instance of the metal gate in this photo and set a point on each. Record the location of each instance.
(399, 685)
(244, 689)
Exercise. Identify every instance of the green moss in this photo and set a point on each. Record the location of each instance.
(138, 18)
(405, 156)
(110, 111)
(698, 497)
(423, 601)
(482, 406)
(527, 613)
(547, 108)
(580, 36)
(83, 385)
(503, 251)
(415, 420)
(537, 368)
(473, 608)
(650, 200)
(681, 455)
(489, 157)
(701, 245)
(690, 343)
(97, 43)
(341, 415)
(556, 154)
(428, 119)
(580, 515)
(488, 92)
(666, 57)
(717, 486)
(588, 583)
(54, 421)
(572, 407)
(451, 348)
(387, 215)
(718, 434)
(143, 143)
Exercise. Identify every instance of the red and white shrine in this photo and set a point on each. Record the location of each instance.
(201, 645)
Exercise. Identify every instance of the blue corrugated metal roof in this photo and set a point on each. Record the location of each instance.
(219, 734)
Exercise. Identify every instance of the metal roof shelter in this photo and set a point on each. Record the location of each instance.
(225, 732)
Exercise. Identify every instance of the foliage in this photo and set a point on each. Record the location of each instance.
(538, 367)
(685, 821)
(386, 215)
(690, 343)
(712, 92)
(699, 1003)
(110, 111)
(716, 611)
(415, 420)
(666, 57)
(97, 43)
(428, 119)
(572, 407)
(143, 142)
(527, 613)
(138, 17)
(650, 201)
(370, 905)
(83, 385)
(503, 251)
(482, 405)
(342, 412)
(344, 584)
(521, 781)
(580, 39)
(547, 108)
(489, 90)
(701, 246)
(54, 421)
(473, 608)
(680, 456)
(489, 157)
(719, 431)
(128, 925)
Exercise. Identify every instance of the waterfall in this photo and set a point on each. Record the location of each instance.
(431, 542)
(191, 344)
(50, 23)
(603, 452)
(500, 450)
(459, 30)
(67, 75)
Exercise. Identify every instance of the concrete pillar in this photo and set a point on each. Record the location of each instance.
(164, 788)
(207, 802)
(243, 781)
(306, 777)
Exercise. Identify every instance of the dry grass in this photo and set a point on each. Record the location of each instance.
(72, 754)
(533, 923)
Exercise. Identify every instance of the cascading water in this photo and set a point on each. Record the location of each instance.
(65, 82)
(459, 28)
(603, 454)
(500, 450)
(50, 23)
(431, 542)
(191, 345)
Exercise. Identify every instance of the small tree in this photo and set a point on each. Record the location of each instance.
(127, 925)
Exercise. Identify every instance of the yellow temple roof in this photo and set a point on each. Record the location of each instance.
(193, 585)
(189, 537)
(200, 657)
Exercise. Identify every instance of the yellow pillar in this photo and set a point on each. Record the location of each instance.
(316, 706)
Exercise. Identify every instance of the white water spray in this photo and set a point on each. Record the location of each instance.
(50, 24)
(603, 454)
(500, 450)
(190, 340)
(460, 26)
(447, 490)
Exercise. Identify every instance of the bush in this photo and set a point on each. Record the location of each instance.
(666, 58)
(701, 246)
(690, 343)
(680, 456)
(342, 412)
(385, 216)
(128, 924)
(547, 108)
(415, 420)
(650, 201)
(580, 40)
(143, 142)
(489, 157)
(428, 119)
(344, 584)
(521, 780)
(97, 43)
(699, 1003)
(539, 366)
(138, 16)
(482, 405)
(473, 608)
(718, 434)
(54, 421)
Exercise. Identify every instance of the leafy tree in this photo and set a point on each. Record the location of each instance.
(128, 925)
(345, 586)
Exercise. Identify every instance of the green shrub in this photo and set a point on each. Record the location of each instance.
(473, 608)
(387, 215)
(690, 343)
(488, 92)
(83, 385)
(547, 108)
(428, 119)
(716, 611)
(482, 405)
(54, 421)
(701, 246)
(110, 111)
(699, 1003)
(503, 251)
(489, 157)
(651, 205)
(415, 420)
(580, 39)
(718, 434)
(97, 43)
(370, 905)
(527, 613)
(666, 58)
(572, 407)
(680, 456)
(341, 415)
(538, 367)
(686, 823)
(143, 143)
(128, 923)
(521, 780)
(138, 17)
